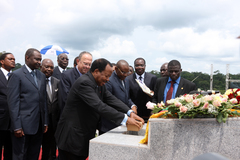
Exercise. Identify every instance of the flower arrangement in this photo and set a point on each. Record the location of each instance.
(191, 106)
(233, 93)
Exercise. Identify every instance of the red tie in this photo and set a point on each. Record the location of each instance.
(169, 93)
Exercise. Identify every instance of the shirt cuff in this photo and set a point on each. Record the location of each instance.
(133, 105)
(124, 120)
(129, 112)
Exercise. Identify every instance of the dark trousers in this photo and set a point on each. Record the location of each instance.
(6, 142)
(48, 142)
(64, 155)
(28, 146)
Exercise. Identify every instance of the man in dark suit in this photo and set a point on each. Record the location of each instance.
(48, 143)
(163, 70)
(62, 60)
(174, 83)
(7, 62)
(70, 76)
(87, 101)
(136, 94)
(118, 85)
(26, 95)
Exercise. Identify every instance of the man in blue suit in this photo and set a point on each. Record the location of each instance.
(7, 62)
(118, 85)
(84, 62)
(27, 101)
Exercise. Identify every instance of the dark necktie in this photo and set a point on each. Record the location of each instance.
(169, 93)
(140, 78)
(8, 75)
(48, 90)
(34, 77)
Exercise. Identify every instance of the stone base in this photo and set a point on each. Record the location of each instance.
(171, 139)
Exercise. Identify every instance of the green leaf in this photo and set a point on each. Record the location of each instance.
(220, 117)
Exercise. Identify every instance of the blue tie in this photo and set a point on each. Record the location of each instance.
(34, 77)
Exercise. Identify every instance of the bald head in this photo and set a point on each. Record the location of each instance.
(163, 70)
(47, 67)
(122, 69)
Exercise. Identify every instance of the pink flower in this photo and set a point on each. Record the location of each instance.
(208, 98)
(183, 109)
(205, 106)
(150, 105)
(160, 105)
(177, 104)
(188, 98)
(224, 99)
(233, 101)
(196, 102)
(216, 103)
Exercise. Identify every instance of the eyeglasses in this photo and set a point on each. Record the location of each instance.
(86, 64)
(64, 58)
(127, 73)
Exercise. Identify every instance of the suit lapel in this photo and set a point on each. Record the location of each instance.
(28, 76)
(54, 87)
(180, 88)
(3, 78)
(38, 74)
(119, 82)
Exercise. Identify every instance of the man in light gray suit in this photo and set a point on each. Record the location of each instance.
(28, 107)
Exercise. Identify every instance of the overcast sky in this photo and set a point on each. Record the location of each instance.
(197, 33)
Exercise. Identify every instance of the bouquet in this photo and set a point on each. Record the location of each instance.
(192, 106)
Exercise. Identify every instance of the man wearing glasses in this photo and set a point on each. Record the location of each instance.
(118, 85)
(84, 62)
(136, 94)
(173, 86)
(62, 60)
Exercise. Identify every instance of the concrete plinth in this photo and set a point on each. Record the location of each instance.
(171, 139)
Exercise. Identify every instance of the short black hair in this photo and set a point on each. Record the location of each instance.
(140, 58)
(30, 51)
(174, 63)
(75, 61)
(3, 56)
(100, 64)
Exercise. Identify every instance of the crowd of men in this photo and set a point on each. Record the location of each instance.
(60, 108)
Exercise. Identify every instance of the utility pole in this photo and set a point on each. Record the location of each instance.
(211, 78)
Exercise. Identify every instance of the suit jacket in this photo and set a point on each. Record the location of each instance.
(85, 104)
(66, 82)
(27, 101)
(114, 85)
(138, 96)
(4, 112)
(53, 107)
(56, 73)
(184, 87)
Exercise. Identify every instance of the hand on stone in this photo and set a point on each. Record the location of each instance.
(134, 122)
(136, 117)
(19, 133)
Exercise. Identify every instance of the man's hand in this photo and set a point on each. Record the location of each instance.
(134, 108)
(19, 133)
(136, 117)
(134, 122)
(45, 129)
